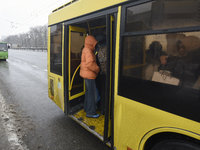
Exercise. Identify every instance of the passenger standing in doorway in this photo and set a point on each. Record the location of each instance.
(89, 71)
(101, 79)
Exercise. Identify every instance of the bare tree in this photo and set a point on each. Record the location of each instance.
(36, 37)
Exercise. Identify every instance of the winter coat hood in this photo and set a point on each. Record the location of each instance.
(90, 42)
(89, 68)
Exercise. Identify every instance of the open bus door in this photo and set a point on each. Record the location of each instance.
(108, 126)
(102, 126)
(76, 84)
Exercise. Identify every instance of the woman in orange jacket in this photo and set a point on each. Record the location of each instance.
(89, 71)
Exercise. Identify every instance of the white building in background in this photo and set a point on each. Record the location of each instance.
(15, 45)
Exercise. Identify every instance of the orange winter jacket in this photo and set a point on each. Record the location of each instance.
(89, 68)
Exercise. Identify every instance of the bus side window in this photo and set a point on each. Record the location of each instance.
(141, 59)
(141, 69)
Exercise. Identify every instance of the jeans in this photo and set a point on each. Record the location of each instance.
(90, 97)
(98, 96)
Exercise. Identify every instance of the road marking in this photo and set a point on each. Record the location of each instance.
(34, 66)
(8, 125)
(45, 70)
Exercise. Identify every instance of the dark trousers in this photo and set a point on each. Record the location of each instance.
(90, 97)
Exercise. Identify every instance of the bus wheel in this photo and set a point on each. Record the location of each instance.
(175, 145)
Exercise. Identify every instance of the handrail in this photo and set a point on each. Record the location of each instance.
(74, 76)
(75, 73)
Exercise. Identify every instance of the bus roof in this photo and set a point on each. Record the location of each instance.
(76, 8)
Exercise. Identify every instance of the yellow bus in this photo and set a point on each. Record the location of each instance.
(151, 86)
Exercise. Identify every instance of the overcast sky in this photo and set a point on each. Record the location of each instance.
(17, 16)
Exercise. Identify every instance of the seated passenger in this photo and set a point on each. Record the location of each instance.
(185, 65)
(152, 59)
(180, 48)
(184, 47)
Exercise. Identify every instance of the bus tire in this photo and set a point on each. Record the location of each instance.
(175, 145)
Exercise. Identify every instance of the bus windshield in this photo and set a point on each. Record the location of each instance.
(3, 47)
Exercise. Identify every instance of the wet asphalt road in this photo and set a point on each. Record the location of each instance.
(37, 121)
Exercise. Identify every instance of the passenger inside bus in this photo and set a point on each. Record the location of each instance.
(101, 78)
(184, 65)
(96, 28)
(152, 59)
(89, 71)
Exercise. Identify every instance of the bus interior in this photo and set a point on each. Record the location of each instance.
(77, 32)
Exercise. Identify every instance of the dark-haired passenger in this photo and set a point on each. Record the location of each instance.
(152, 59)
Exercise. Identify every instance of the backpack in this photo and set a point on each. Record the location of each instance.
(102, 59)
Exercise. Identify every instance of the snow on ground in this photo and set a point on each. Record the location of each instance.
(11, 126)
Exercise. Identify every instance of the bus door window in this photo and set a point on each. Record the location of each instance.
(76, 46)
(56, 49)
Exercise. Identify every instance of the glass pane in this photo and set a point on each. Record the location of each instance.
(77, 43)
(162, 14)
(173, 87)
(56, 49)
(3, 47)
(142, 57)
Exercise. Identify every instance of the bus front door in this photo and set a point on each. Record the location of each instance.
(102, 127)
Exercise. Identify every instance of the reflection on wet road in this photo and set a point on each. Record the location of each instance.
(39, 123)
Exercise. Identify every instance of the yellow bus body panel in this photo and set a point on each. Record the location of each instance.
(79, 8)
(135, 122)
